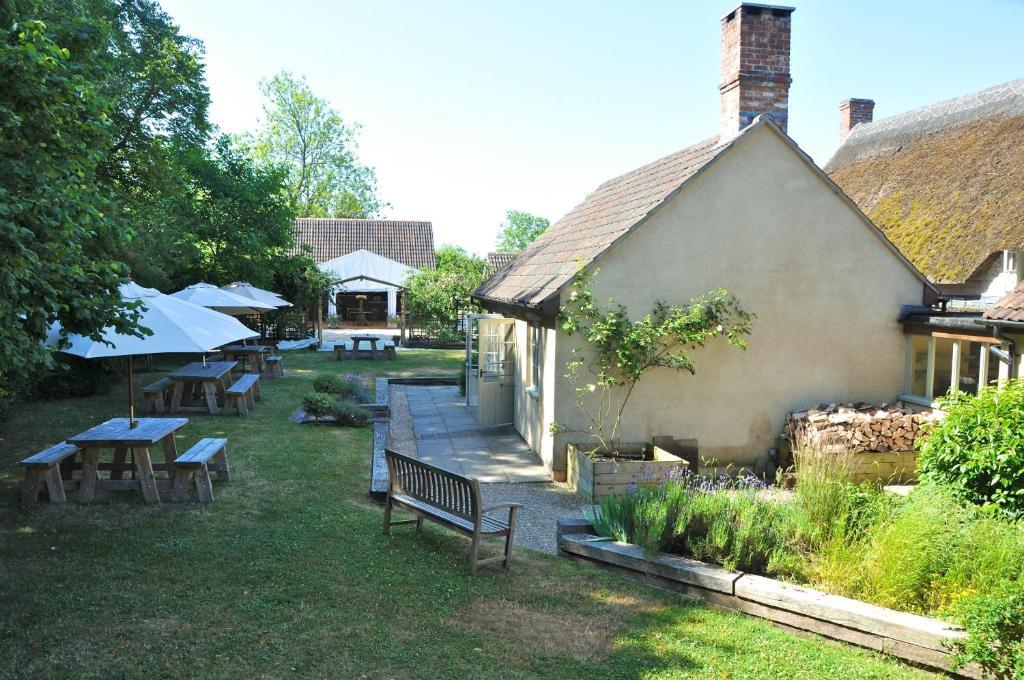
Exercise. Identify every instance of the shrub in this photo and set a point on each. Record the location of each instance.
(344, 386)
(77, 377)
(995, 632)
(350, 414)
(318, 405)
(977, 450)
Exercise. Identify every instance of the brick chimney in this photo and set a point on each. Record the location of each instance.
(853, 112)
(755, 66)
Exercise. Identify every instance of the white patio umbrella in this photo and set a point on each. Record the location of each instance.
(247, 290)
(176, 325)
(208, 295)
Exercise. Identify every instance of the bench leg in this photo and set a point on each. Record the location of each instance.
(419, 522)
(508, 539)
(182, 476)
(160, 403)
(222, 470)
(67, 466)
(250, 397)
(179, 388)
(387, 516)
(55, 485)
(473, 554)
(30, 487)
(204, 488)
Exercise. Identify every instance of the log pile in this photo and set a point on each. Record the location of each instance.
(856, 427)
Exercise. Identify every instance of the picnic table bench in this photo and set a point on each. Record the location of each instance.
(242, 395)
(202, 383)
(156, 396)
(386, 345)
(44, 468)
(244, 352)
(274, 366)
(447, 499)
(193, 466)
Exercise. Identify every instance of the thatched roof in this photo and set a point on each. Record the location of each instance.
(945, 182)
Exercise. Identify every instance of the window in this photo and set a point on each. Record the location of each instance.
(536, 339)
(937, 363)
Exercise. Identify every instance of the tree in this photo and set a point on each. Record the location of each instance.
(305, 134)
(519, 230)
(55, 216)
(620, 351)
(241, 222)
(436, 297)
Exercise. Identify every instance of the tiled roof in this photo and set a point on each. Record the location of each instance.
(591, 227)
(411, 243)
(498, 261)
(1009, 308)
(943, 181)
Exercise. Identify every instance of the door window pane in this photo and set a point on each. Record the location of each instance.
(943, 367)
(970, 365)
(918, 364)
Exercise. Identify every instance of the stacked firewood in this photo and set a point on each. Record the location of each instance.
(857, 426)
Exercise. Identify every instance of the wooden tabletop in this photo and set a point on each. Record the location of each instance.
(371, 338)
(245, 348)
(212, 370)
(117, 432)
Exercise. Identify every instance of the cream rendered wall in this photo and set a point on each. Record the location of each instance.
(826, 291)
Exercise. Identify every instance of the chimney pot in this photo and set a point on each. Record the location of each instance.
(853, 112)
(755, 66)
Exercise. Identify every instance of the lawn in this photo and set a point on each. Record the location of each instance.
(287, 573)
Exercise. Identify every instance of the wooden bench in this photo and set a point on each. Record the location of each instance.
(156, 396)
(194, 466)
(242, 395)
(389, 350)
(448, 499)
(273, 366)
(45, 466)
(339, 351)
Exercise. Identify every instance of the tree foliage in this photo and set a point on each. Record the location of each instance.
(56, 219)
(519, 230)
(620, 351)
(303, 133)
(437, 297)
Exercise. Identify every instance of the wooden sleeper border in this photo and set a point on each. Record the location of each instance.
(918, 639)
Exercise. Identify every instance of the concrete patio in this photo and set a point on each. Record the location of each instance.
(447, 435)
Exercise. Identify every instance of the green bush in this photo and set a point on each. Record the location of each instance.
(977, 450)
(995, 631)
(318, 405)
(76, 377)
(350, 414)
(334, 384)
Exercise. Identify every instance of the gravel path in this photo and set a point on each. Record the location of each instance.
(544, 503)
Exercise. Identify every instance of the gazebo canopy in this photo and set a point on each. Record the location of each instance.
(363, 271)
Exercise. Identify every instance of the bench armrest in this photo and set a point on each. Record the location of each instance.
(499, 506)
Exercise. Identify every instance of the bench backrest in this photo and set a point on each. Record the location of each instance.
(433, 485)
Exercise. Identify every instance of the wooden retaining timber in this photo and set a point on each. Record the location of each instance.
(914, 638)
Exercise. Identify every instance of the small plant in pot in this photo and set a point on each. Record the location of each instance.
(618, 352)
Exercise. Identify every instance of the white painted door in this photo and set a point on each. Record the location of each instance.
(472, 363)
(497, 371)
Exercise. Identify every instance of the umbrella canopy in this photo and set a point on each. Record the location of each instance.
(247, 290)
(208, 295)
(177, 325)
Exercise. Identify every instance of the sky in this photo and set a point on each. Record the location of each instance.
(470, 108)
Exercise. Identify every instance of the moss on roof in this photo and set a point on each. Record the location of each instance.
(947, 199)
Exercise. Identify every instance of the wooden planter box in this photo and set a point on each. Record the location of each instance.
(594, 479)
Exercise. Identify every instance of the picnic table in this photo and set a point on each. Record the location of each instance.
(117, 435)
(243, 352)
(359, 339)
(212, 379)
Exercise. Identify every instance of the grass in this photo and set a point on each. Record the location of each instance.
(287, 573)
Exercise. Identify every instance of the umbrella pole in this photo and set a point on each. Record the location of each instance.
(132, 423)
